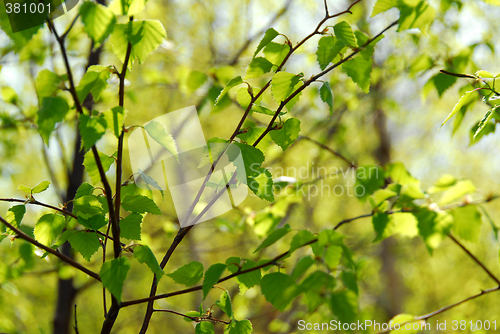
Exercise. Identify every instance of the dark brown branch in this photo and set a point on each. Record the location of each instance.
(195, 319)
(49, 250)
(475, 259)
(458, 75)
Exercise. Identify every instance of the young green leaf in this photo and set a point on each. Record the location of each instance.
(326, 94)
(188, 274)
(87, 206)
(344, 34)
(485, 120)
(247, 280)
(47, 83)
(113, 274)
(287, 134)
(258, 67)
(15, 215)
(94, 81)
(48, 228)
(141, 204)
(127, 7)
(41, 187)
(130, 226)
(268, 37)
(328, 48)
(212, 275)
(92, 128)
(300, 239)
(463, 100)
(273, 237)
(279, 289)
(144, 35)
(383, 5)
(84, 189)
(369, 179)
(143, 254)
(458, 190)
(98, 20)
(204, 327)
(359, 70)
(467, 222)
(85, 243)
(262, 184)
(239, 327)
(114, 119)
(93, 222)
(283, 84)
(301, 267)
(53, 111)
(417, 15)
(224, 303)
(344, 305)
(276, 53)
(91, 166)
(158, 132)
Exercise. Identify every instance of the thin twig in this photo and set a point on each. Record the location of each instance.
(63, 257)
(474, 258)
(75, 327)
(350, 163)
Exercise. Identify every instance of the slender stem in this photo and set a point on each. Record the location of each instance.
(350, 163)
(63, 257)
(475, 259)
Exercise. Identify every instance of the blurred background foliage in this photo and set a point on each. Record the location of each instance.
(208, 43)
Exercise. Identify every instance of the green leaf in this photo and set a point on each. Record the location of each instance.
(91, 166)
(316, 287)
(239, 327)
(433, 226)
(224, 303)
(484, 121)
(48, 228)
(359, 70)
(300, 239)
(301, 267)
(279, 289)
(273, 237)
(47, 83)
(332, 256)
(113, 274)
(368, 50)
(92, 128)
(204, 327)
(264, 111)
(252, 157)
(368, 180)
(87, 206)
(276, 53)
(141, 204)
(467, 223)
(458, 190)
(328, 48)
(268, 37)
(212, 275)
(144, 35)
(344, 305)
(349, 280)
(188, 274)
(85, 243)
(283, 85)
(127, 7)
(24, 189)
(98, 20)
(258, 67)
(344, 34)
(158, 132)
(94, 81)
(15, 215)
(288, 133)
(383, 5)
(53, 111)
(261, 184)
(232, 83)
(130, 226)
(488, 128)
(326, 94)
(247, 280)
(463, 100)
(84, 189)
(483, 73)
(41, 187)
(420, 16)
(94, 222)
(143, 254)
(114, 119)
